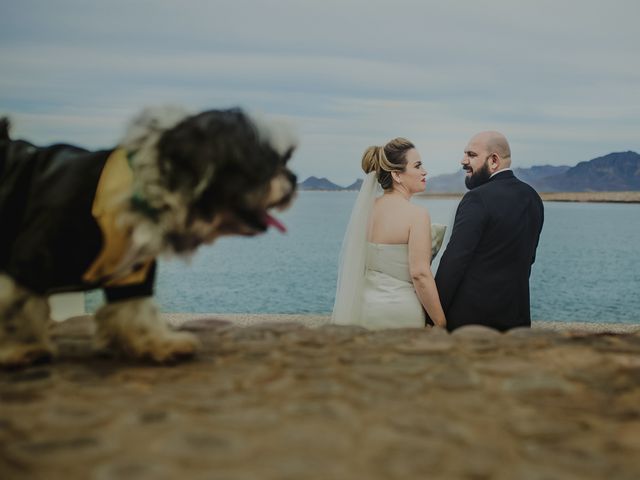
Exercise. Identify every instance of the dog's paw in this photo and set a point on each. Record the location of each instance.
(14, 355)
(168, 347)
(160, 347)
(24, 326)
(134, 328)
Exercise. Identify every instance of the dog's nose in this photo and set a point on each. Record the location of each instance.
(291, 177)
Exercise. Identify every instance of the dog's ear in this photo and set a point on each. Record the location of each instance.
(148, 125)
(4, 128)
(277, 133)
(287, 155)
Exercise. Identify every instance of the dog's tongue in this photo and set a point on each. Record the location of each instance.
(274, 222)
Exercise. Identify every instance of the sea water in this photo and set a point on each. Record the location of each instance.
(587, 266)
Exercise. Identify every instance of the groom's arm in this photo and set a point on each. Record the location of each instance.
(470, 221)
(540, 207)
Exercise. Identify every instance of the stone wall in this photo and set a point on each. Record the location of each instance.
(284, 401)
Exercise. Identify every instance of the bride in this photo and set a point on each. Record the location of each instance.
(384, 278)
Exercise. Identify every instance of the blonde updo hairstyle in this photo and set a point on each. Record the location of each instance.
(384, 160)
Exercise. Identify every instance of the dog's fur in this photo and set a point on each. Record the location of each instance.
(193, 178)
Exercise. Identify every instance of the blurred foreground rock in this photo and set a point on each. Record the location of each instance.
(283, 401)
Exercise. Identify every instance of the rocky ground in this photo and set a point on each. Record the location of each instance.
(298, 400)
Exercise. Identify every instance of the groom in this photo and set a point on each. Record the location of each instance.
(483, 277)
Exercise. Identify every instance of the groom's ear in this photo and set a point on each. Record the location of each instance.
(494, 160)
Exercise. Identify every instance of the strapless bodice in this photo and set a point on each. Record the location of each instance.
(390, 259)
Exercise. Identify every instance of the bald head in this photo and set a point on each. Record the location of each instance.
(492, 142)
(485, 154)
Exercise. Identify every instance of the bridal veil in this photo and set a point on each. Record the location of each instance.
(348, 304)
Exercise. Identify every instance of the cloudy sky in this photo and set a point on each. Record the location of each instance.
(560, 78)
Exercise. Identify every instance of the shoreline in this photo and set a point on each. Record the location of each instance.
(315, 321)
(581, 197)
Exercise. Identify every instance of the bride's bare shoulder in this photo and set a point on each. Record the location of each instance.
(419, 210)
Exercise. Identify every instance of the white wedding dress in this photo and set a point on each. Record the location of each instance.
(389, 299)
(374, 284)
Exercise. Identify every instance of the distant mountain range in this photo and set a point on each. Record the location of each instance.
(618, 171)
(315, 183)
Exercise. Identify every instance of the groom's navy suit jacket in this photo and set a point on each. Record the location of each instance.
(483, 276)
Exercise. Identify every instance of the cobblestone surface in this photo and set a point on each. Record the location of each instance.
(285, 401)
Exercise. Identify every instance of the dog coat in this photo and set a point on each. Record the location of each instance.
(59, 228)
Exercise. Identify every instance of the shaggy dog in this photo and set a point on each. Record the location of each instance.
(73, 219)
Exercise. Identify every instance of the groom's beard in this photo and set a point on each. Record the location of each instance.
(479, 177)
